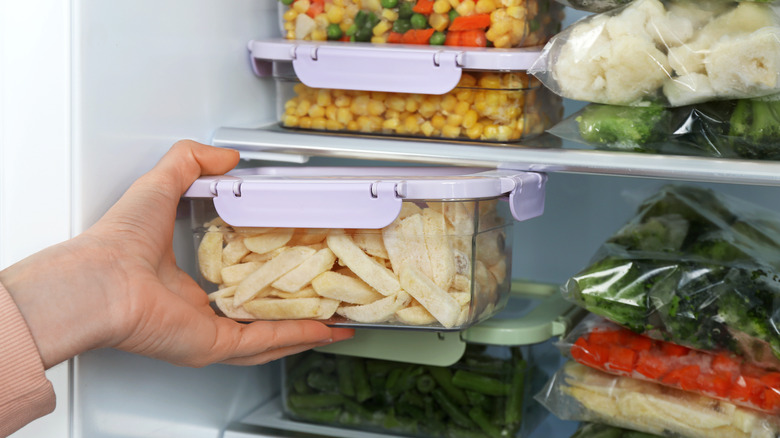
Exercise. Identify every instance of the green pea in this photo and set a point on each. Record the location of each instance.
(401, 26)
(453, 14)
(287, 2)
(334, 31)
(405, 10)
(437, 39)
(418, 21)
(389, 3)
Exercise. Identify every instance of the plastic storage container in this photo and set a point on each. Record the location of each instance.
(485, 392)
(470, 23)
(465, 95)
(401, 247)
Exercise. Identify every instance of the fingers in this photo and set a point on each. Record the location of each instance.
(338, 334)
(187, 160)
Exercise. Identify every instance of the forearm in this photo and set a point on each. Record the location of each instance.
(26, 393)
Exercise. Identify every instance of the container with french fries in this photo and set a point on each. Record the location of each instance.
(412, 247)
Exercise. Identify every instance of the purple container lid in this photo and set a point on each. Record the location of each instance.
(357, 197)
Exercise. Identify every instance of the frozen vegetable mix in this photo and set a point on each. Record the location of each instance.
(484, 107)
(608, 347)
(482, 395)
(669, 53)
(581, 393)
(470, 23)
(693, 267)
(745, 128)
(443, 265)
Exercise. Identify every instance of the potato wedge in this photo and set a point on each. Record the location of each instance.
(234, 274)
(304, 273)
(210, 256)
(234, 251)
(269, 241)
(378, 311)
(376, 275)
(415, 315)
(291, 308)
(306, 292)
(226, 292)
(438, 302)
(345, 288)
(440, 253)
(371, 242)
(252, 285)
(225, 305)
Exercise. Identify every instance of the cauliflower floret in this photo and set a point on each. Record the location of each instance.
(684, 60)
(745, 66)
(634, 70)
(578, 71)
(634, 17)
(688, 89)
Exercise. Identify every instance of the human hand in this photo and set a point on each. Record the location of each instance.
(117, 284)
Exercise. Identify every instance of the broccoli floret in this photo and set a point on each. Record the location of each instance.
(622, 127)
(755, 129)
(658, 233)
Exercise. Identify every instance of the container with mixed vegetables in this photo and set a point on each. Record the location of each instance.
(471, 23)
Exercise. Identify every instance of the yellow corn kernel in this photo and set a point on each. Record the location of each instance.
(441, 6)
(454, 120)
(372, 5)
(342, 101)
(485, 6)
(319, 35)
(448, 103)
(321, 20)
(323, 97)
(352, 126)
(439, 21)
(503, 42)
(491, 81)
(390, 124)
(450, 131)
(465, 95)
(389, 15)
(316, 111)
(376, 107)
(427, 128)
(359, 105)
(396, 103)
(319, 123)
(290, 15)
(467, 80)
(305, 122)
(462, 107)
(331, 112)
(300, 88)
(290, 111)
(411, 124)
(338, 3)
(301, 6)
(333, 125)
(454, 3)
(504, 133)
(493, 99)
(344, 116)
(290, 120)
(490, 132)
(382, 27)
(520, 125)
(474, 132)
(289, 27)
(517, 12)
(466, 7)
(412, 104)
(345, 24)
(438, 121)
(303, 108)
(292, 103)
(379, 39)
(470, 119)
(335, 13)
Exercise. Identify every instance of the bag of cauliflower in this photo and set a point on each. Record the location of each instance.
(599, 6)
(669, 53)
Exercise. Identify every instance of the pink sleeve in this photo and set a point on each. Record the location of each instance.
(25, 392)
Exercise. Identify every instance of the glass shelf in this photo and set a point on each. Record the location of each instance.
(274, 143)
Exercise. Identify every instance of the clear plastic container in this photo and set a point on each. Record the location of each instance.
(468, 23)
(485, 392)
(492, 107)
(357, 247)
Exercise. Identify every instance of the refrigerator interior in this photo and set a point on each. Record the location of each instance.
(147, 73)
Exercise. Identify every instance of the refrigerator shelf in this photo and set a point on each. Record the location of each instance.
(273, 143)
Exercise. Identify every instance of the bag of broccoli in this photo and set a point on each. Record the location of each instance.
(695, 268)
(745, 128)
(666, 52)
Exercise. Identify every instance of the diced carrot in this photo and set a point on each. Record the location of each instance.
(771, 380)
(717, 384)
(470, 22)
(651, 366)
(747, 389)
(605, 337)
(473, 38)
(684, 378)
(345, 38)
(417, 36)
(316, 8)
(424, 7)
(621, 360)
(674, 350)
(589, 354)
(637, 342)
(725, 364)
(771, 402)
(452, 38)
(394, 37)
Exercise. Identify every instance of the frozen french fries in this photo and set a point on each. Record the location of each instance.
(440, 264)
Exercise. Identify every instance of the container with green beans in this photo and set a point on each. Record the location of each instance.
(482, 395)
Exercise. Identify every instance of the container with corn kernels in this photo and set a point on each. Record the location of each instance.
(464, 94)
(469, 23)
(399, 247)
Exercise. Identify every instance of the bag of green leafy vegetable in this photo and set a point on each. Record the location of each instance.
(748, 128)
(693, 267)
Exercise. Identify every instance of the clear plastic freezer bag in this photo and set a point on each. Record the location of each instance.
(600, 344)
(669, 53)
(745, 128)
(600, 430)
(693, 267)
(580, 393)
(599, 6)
